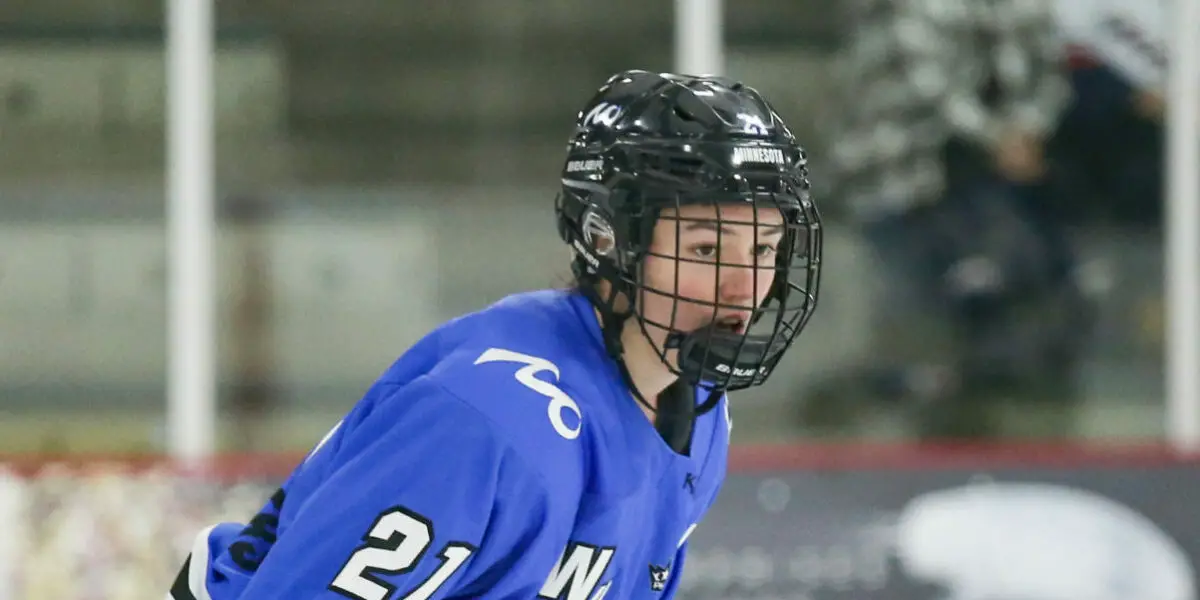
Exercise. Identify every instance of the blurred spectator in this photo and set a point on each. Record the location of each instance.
(1110, 144)
(939, 154)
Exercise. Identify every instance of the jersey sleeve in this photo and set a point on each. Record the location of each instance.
(422, 500)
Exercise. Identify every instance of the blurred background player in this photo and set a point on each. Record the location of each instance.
(938, 150)
(564, 444)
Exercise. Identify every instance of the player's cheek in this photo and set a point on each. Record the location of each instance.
(660, 274)
(661, 309)
(692, 300)
(704, 281)
(762, 286)
(704, 295)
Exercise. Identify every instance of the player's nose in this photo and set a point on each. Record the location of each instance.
(738, 282)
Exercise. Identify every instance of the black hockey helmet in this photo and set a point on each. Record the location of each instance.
(648, 144)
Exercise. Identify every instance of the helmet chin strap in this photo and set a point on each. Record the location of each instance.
(612, 321)
(676, 410)
(693, 350)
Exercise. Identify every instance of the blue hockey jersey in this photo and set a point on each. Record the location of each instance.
(500, 457)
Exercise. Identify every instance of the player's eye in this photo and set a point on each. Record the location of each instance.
(705, 250)
(764, 250)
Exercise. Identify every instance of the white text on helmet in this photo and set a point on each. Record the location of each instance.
(577, 166)
(770, 156)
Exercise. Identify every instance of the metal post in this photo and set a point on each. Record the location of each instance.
(191, 229)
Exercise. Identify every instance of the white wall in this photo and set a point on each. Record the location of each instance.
(87, 302)
(84, 303)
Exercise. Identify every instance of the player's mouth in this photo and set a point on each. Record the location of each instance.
(733, 323)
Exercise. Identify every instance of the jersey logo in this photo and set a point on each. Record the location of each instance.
(578, 573)
(659, 576)
(527, 376)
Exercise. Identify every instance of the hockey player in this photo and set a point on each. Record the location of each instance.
(563, 444)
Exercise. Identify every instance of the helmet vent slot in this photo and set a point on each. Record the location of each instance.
(685, 115)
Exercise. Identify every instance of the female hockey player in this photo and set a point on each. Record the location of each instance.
(564, 444)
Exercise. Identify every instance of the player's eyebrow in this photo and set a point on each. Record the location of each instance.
(763, 231)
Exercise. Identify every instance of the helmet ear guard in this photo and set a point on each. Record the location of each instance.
(594, 233)
(587, 227)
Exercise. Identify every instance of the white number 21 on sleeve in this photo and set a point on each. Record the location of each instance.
(395, 543)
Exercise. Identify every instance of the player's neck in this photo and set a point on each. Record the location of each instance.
(646, 369)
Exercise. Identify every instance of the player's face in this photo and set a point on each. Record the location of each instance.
(688, 244)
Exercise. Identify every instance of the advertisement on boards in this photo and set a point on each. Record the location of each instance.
(1076, 528)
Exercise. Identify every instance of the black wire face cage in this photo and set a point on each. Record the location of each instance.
(724, 251)
(718, 246)
(740, 279)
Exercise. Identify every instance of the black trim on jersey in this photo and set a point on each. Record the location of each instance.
(264, 527)
(180, 589)
(675, 416)
(194, 571)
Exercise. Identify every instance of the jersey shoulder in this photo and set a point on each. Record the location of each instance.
(516, 363)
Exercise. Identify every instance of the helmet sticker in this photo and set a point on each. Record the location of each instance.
(602, 114)
(598, 233)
